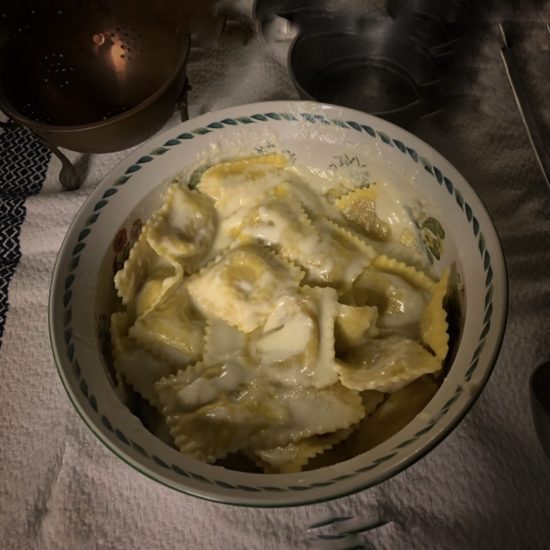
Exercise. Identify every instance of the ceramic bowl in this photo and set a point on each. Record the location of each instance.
(315, 135)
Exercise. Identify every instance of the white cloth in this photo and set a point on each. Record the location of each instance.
(487, 485)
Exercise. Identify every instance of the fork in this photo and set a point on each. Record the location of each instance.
(333, 532)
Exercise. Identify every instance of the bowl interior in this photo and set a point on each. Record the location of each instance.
(324, 137)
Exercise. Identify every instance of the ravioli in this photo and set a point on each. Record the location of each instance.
(184, 228)
(241, 183)
(433, 323)
(280, 315)
(295, 346)
(382, 214)
(140, 368)
(358, 207)
(172, 329)
(386, 364)
(277, 223)
(214, 410)
(205, 411)
(145, 277)
(354, 326)
(409, 273)
(293, 456)
(327, 253)
(243, 286)
(400, 305)
(337, 258)
(392, 415)
(293, 189)
(222, 341)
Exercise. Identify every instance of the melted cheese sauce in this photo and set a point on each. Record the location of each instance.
(205, 390)
(285, 333)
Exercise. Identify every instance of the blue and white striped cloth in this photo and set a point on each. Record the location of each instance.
(23, 164)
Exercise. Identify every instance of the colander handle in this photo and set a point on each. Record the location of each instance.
(68, 176)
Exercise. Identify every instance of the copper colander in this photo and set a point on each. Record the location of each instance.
(92, 76)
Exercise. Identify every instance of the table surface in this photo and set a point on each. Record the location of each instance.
(487, 485)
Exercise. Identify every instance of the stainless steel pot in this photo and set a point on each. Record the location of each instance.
(380, 70)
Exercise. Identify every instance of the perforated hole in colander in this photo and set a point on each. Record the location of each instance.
(128, 41)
